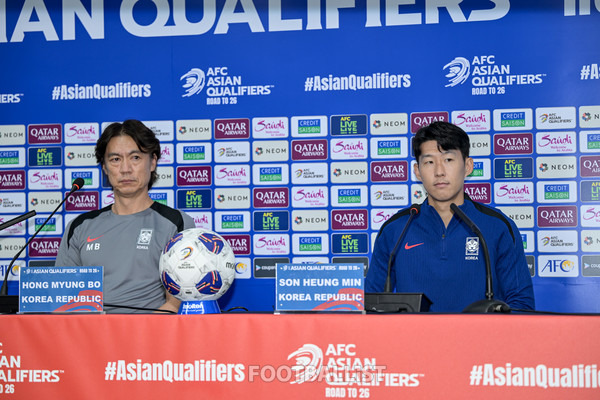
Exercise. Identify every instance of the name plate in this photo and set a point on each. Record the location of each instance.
(60, 289)
(320, 287)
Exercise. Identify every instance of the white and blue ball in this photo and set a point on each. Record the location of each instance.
(197, 264)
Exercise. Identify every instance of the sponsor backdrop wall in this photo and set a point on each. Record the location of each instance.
(286, 125)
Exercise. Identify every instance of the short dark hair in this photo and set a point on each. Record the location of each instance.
(142, 136)
(448, 137)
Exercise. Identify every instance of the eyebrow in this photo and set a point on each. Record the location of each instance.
(130, 153)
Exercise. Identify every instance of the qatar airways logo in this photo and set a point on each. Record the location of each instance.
(45, 134)
(348, 149)
(349, 219)
(516, 143)
(309, 149)
(513, 192)
(232, 128)
(557, 216)
(83, 201)
(389, 171)
(480, 192)
(271, 197)
(240, 244)
(556, 142)
(271, 244)
(419, 120)
(44, 247)
(194, 176)
(12, 180)
(590, 166)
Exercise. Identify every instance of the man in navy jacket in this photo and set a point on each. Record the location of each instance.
(440, 255)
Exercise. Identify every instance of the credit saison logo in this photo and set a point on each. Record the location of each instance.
(556, 192)
(90, 177)
(310, 244)
(194, 199)
(221, 87)
(232, 221)
(270, 174)
(513, 119)
(389, 148)
(344, 196)
(307, 126)
(487, 77)
(162, 197)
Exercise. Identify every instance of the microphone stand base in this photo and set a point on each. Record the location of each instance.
(487, 306)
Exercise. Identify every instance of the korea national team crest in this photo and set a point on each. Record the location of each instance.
(472, 248)
(144, 239)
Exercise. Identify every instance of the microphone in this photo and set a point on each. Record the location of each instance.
(16, 220)
(389, 302)
(488, 305)
(414, 210)
(77, 184)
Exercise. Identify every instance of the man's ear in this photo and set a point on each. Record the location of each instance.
(468, 166)
(416, 170)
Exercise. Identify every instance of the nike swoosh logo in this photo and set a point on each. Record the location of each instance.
(90, 240)
(407, 247)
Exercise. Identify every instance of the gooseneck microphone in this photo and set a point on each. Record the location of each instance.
(414, 210)
(488, 305)
(77, 184)
(388, 301)
(16, 220)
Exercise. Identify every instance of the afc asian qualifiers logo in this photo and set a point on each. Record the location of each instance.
(459, 70)
(195, 80)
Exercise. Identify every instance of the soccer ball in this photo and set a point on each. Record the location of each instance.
(197, 264)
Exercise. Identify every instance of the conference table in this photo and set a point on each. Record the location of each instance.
(299, 356)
